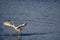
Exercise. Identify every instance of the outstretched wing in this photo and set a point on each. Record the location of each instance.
(21, 25)
(8, 23)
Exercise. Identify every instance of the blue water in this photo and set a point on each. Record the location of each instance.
(46, 36)
(43, 17)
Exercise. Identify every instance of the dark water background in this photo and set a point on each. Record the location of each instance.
(43, 17)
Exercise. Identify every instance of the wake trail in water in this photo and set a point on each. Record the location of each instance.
(30, 34)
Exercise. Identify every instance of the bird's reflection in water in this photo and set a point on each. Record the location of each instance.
(10, 37)
(18, 38)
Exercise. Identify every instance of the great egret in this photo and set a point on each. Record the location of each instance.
(17, 28)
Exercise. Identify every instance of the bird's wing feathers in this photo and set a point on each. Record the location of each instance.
(22, 25)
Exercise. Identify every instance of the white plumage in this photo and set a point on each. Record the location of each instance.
(17, 28)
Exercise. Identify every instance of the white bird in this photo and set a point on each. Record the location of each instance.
(17, 28)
